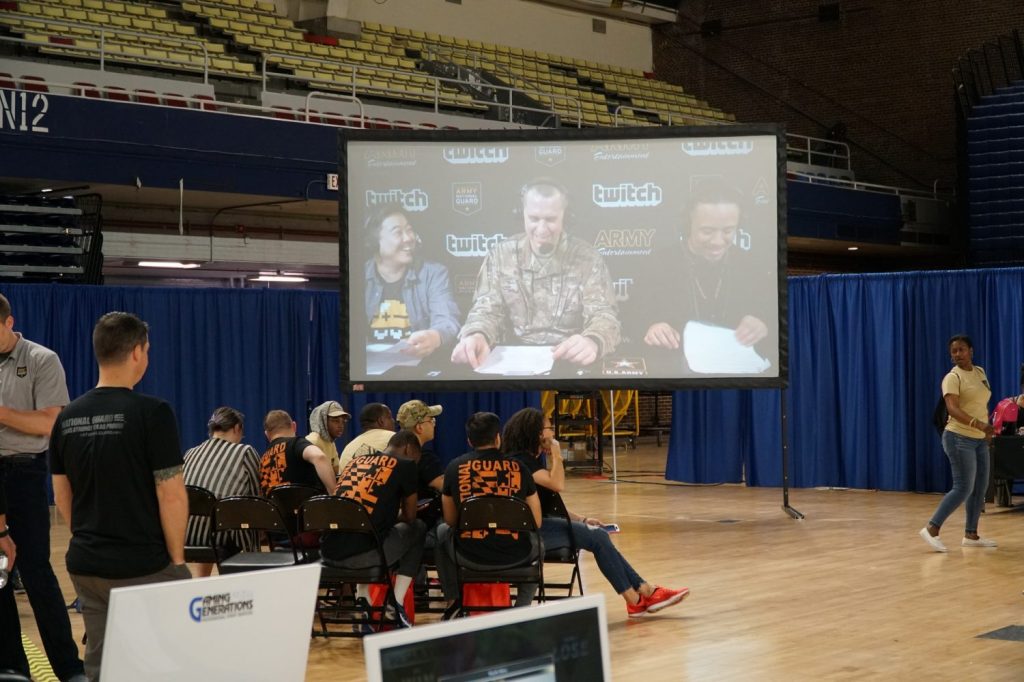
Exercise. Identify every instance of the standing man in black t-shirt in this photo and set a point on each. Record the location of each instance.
(32, 393)
(116, 462)
(385, 485)
(484, 471)
(289, 459)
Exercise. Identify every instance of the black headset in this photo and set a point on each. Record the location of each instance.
(372, 225)
(568, 217)
(707, 189)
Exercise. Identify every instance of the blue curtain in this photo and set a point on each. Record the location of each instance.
(253, 349)
(866, 355)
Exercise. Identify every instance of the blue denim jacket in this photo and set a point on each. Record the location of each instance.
(428, 298)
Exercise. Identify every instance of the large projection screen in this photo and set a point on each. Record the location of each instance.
(649, 258)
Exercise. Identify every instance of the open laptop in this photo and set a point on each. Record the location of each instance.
(562, 641)
(243, 626)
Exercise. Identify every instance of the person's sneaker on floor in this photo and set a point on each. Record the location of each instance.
(980, 542)
(363, 627)
(933, 540)
(662, 598)
(397, 616)
(19, 587)
(637, 610)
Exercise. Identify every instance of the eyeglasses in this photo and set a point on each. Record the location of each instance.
(429, 420)
(548, 428)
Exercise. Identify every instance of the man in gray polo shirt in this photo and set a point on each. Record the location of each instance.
(32, 393)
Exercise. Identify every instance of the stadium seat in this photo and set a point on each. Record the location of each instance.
(34, 84)
(171, 99)
(7, 81)
(146, 96)
(116, 93)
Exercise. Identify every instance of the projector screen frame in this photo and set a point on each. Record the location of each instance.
(554, 136)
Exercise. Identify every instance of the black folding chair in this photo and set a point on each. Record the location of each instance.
(332, 514)
(244, 512)
(201, 504)
(496, 514)
(289, 499)
(553, 507)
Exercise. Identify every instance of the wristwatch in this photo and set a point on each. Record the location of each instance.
(5, 532)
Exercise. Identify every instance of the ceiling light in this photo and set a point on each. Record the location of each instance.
(852, 248)
(47, 189)
(167, 264)
(279, 278)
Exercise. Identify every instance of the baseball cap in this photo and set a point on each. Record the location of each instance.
(334, 409)
(413, 412)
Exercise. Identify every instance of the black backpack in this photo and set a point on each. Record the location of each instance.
(940, 415)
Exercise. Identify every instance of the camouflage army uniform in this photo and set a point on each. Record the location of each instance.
(521, 298)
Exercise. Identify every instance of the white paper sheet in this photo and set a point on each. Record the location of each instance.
(715, 350)
(518, 361)
(380, 357)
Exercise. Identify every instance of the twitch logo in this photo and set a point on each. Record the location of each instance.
(472, 246)
(414, 200)
(717, 147)
(627, 195)
(475, 155)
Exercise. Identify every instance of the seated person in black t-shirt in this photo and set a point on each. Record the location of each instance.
(529, 437)
(420, 419)
(484, 471)
(290, 459)
(385, 484)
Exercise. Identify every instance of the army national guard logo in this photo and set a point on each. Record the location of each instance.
(467, 197)
(22, 372)
(549, 155)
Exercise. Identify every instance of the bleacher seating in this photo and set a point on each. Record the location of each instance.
(601, 89)
(324, 63)
(42, 239)
(995, 146)
(389, 64)
(131, 33)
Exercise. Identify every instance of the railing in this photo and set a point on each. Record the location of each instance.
(981, 71)
(672, 116)
(104, 32)
(316, 94)
(812, 150)
(368, 72)
(871, 187)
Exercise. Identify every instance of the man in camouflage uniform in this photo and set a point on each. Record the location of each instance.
(542, 287)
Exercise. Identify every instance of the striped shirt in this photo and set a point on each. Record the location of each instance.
(224, 468)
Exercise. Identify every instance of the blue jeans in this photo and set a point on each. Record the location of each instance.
(969, 460)
(613, 566)
(28, 514)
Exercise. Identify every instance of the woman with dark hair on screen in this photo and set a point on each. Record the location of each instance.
(407, 299)
(225, 466)
(529, 437)
(965, 440)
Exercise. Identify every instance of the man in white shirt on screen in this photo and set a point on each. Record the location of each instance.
(542, 288)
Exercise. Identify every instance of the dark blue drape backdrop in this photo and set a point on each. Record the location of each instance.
(866, 355)
(253, 349)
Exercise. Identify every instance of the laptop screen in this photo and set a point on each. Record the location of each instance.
(561, 641)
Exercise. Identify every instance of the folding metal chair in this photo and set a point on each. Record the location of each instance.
(495, 514)
(332, 514)
(244, 512)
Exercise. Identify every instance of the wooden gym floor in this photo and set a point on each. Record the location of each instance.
(850, 592)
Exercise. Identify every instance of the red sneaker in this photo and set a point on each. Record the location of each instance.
(637, 610)
(662, 598)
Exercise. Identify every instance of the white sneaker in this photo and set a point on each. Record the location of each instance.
(980, 542)
(933, 541)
